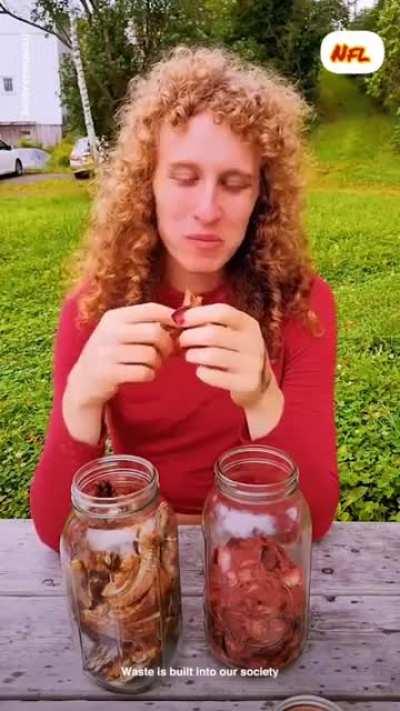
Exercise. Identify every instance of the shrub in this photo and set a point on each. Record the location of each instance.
(59, 159)
(29, 143)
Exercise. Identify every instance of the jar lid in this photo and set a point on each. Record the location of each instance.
(307, 702)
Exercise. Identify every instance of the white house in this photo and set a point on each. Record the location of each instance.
(30, 104)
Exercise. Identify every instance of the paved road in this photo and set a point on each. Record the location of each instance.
(35, 177)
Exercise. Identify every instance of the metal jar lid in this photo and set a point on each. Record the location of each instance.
(307, 700)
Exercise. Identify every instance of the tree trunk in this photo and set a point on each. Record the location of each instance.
(87, 114)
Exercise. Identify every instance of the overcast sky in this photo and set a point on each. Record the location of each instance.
(365, 3)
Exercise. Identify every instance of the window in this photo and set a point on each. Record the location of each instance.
(82, 144)
(8, 84)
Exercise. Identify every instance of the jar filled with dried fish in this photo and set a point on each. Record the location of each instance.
(257, 542)
(119, 555)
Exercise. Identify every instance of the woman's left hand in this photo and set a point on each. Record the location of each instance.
(229, 347)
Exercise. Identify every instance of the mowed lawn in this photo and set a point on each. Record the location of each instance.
(353, 220)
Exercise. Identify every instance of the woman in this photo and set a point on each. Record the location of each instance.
(208, 146)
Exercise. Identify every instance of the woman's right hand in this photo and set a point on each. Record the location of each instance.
(128, 344)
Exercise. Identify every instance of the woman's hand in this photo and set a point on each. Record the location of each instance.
(229, 347)
(129, 344)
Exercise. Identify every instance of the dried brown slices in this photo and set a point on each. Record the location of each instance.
(256, 603)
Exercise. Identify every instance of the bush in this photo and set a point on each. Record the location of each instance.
(59, 159)
(396, 132)
(29, 143)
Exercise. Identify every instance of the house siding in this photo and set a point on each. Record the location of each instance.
(34, 107)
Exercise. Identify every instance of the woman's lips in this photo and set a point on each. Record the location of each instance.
(205, 242)
(210, 237)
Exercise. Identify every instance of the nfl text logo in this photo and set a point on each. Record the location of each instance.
(352, 52)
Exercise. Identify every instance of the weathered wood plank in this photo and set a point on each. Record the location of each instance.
(354, 558)
(178, 705)
(341, 563)
(353, 652)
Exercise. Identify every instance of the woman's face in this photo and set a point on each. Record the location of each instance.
(206, 182)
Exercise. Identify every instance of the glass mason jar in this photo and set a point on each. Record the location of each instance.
(119, 556)
(257, 559)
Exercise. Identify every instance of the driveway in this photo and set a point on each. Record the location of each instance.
(35, 177)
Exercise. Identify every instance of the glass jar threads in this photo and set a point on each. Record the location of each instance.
(119, 555)
(257, 547)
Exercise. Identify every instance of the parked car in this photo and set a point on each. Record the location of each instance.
(81, 160)
(10, 160)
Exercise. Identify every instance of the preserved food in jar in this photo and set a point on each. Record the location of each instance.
(119, 554)
(257, 536)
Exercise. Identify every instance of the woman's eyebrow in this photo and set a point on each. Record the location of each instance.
(231, 171)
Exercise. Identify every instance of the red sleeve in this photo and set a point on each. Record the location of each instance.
(50, 500)
(306, 430)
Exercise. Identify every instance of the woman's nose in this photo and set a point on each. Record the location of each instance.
(207, 207)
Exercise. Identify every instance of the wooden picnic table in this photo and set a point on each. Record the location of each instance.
(352, 654)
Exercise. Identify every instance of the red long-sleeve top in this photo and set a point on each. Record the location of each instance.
(182, 425)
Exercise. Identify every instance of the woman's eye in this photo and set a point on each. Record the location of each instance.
(190, 181)
(236, 187)
(185, 181)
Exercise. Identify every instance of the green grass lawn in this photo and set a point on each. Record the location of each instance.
(353, 220)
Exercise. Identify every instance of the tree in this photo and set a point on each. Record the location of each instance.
(119, 38)
(367, 18)
(384, 85)
(110, 58)
(38, 19)
(83, 92)
(285, 34)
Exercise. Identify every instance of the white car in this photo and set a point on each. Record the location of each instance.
(10, 160)
(81, 160)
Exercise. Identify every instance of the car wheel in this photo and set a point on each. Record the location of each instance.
(18, 168)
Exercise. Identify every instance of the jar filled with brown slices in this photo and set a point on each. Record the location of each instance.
(119, 555)
(257, 543)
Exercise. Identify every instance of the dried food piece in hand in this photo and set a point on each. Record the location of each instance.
(189, 301)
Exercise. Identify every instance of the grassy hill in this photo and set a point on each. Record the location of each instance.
(353, 139)
(353, 218)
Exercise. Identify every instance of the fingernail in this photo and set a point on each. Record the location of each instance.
(179, 318)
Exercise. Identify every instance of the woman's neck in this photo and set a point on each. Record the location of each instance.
(180, 280)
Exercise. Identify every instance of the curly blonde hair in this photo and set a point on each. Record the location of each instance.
(271, 272)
